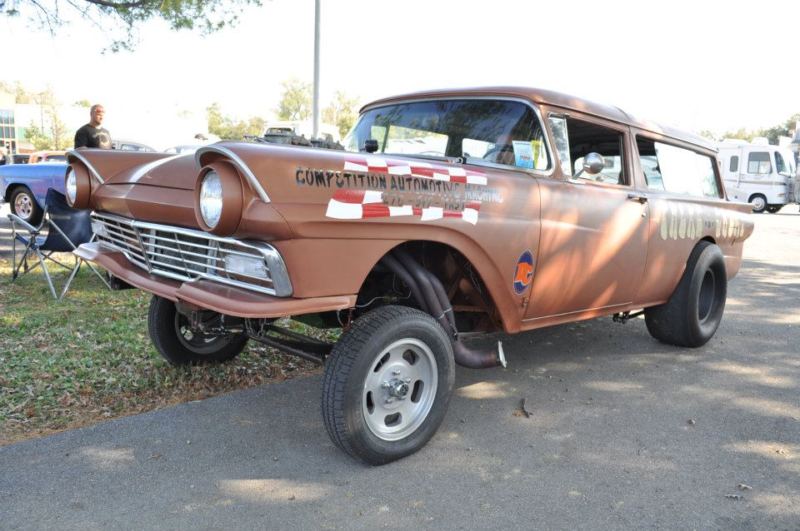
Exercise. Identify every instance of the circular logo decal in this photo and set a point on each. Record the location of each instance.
(524, 273)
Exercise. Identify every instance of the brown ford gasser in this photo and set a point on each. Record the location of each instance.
(449, 214)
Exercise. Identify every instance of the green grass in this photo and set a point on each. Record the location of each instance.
(86, 358)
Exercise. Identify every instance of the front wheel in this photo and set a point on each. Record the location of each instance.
(179, 344)
(759, 203)
(24, 205)
(692, 314)
(387, 384)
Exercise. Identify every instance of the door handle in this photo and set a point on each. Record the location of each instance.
(639, 198)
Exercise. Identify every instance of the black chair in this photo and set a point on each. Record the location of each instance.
(67, 228)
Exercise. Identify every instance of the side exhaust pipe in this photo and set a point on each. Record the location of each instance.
(438, 305)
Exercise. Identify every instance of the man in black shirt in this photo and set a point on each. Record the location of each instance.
(92, 135)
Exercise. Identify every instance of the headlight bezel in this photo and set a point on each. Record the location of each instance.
(232, 198)
(82, 187)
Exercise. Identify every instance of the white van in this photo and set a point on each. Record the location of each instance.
(760, 174)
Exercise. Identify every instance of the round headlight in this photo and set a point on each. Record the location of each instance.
(218, 198)
(71, 186)
(211, 199)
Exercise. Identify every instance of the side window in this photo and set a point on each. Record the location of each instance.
(758, 162)
(582, 138)
(677, 170)
(734, 164)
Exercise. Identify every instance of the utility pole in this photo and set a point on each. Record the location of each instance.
(315, 105)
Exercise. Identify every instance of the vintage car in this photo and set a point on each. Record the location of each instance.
(450, 213)
(25, 186)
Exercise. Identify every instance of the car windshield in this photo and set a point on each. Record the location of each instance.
(476, 131)
(784, 163)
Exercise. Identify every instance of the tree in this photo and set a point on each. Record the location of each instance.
(111, 16)
(229, 129)
(784, 129)
(295, 102)
(36, 136)
(342, 112)
(58, 131)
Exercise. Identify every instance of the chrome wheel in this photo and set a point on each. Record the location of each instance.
(399, 389)
(23, 206)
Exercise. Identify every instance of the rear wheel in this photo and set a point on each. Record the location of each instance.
(387, 384)
(692, 314)
(180, 344)
(24, 205)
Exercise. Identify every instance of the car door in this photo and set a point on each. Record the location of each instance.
(593, 242)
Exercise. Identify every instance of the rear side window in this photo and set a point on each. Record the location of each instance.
(758, 162)
(677, 170)
(734, 163)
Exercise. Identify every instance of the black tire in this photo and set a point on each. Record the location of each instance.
(165, 325)
(774, 209)
(692, 314)
(759, 202)
(24, 205)
(357, 359)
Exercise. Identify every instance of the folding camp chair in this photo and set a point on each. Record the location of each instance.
(67, 228)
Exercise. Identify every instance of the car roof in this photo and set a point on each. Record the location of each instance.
(556, 99)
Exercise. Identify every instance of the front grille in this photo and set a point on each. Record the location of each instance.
(186, 254)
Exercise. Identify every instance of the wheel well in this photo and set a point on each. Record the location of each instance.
(708, 239)
(472, 303)
(10, 191)
(756, 195)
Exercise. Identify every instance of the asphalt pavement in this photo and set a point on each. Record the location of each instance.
(624, 433)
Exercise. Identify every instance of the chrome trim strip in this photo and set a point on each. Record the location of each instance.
(179, 266)
(74, 153)
(528, 103)
(248, 173)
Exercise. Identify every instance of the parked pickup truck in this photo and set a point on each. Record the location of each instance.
(449, 213)
(25, 186)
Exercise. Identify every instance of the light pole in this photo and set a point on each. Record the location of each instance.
(315, 103)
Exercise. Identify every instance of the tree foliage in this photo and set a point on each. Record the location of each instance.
(296, 100)
(786, 128)
(51, 133)
(36, 136)
(296, 104)
(342, 112)
(123, 17)
(227, 128)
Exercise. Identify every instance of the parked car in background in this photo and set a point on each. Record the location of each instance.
(47, 156)
(128, 145)
(760, 174)
(522, 208)
(25, 186)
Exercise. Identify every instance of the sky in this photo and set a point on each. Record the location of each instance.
(691, 64)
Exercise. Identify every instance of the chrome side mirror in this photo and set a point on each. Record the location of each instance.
(593, 163)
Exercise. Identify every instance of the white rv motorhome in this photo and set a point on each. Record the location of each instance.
(758, 173)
